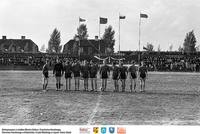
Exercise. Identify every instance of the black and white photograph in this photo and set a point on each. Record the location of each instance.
(100, 62)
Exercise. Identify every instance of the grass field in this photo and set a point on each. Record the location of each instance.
(170, 99)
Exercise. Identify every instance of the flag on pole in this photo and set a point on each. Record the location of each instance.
(143, 15)
(145, 48)
(103, 20)
(122, 17)
(81, 19)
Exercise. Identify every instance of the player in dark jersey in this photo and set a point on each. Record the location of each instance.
(58, 72)
(143, 75)
(85, 74)
(93, 75)
(115, 76)
(76, 68)
(68, 74)
(104, 74)
(133, 76)
(123, 75)
(45, 72)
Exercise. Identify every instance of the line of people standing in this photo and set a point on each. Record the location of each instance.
(89, 71)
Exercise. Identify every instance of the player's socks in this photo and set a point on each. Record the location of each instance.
(59, 85)
(45, 86)
(56, 86)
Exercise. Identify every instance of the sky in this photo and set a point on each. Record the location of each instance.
(167, 24)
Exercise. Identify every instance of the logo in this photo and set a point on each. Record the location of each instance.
(84, 130)
(111, 130)
(121, 130)
(103, 130)
(95, 130)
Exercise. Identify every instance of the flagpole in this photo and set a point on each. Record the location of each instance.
(119, 33)
(139, 37)
(99, 38)
(79, 50)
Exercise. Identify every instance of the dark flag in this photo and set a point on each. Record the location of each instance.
(122, 17)
(145, 48)
(143, 15)
(103, 20)
(81, 20)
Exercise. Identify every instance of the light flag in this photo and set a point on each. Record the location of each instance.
(81, 19)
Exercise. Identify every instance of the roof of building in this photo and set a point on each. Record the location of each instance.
(20, 44)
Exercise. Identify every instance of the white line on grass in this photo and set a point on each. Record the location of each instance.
(95, 110)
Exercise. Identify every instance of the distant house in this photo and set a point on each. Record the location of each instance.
(86, 47)
(22, 45)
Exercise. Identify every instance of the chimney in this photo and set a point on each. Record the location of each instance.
(4, 37)
(23, 37)
(96, 38)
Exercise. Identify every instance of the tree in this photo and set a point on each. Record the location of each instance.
(149, 47)
(189, 42)
(108, 37)
(180, 49)
(170, 47)
(54, 42)
(197, 48)
(42, 49)
(159, 49)
(82, 32)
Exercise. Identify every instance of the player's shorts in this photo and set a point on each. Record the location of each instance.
(77, 74)
(142, 75)
(133, 75)
(46, 75)
(115, 76)
(68, 75)
(58, 74)
(93, 75)
(123, 76)
(104, 76)
(85, 75)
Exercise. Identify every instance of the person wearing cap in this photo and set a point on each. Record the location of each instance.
(58, 73)
(104, 74)
(133, 76)
(45, 72)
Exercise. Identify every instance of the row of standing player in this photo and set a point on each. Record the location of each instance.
(90, 71)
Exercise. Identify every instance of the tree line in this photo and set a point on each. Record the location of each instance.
(189, 45)
(54, 46)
